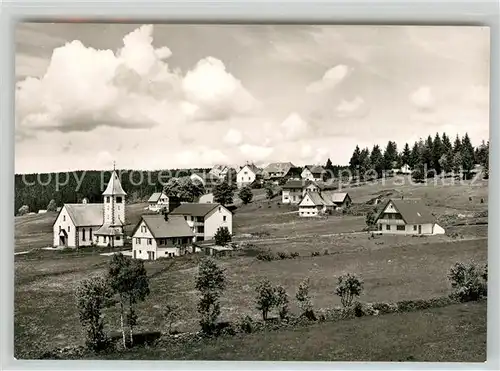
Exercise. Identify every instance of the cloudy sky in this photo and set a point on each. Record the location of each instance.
(166, 96)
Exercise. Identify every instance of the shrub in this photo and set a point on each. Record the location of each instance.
(315, 253)
(23, 210)
(266, 298)
(246, 324)
(294, 255)
(468, 281)
(349, 286)
(283, 255)
(282, 302)
(304, 300)
(246, 195)
(265, 256)
(326, 252)
(52, 206)
(222, 237)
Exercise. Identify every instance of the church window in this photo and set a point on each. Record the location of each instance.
(107, 199)
(83, 234)
(64, 218)
(90, 234)
(118, 200)
(69, 228)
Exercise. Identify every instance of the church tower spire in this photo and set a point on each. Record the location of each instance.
(114, 201)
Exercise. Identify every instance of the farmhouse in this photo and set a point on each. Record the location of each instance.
(317, 186)
(158, 236)
(85, 224)
(205, 219)
(159, 201)
(247, 175)
(407, 217)
(292, 192)
(277, 170)
(316, 203)
(313, 172)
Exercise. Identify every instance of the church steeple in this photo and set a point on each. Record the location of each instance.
(114, 201)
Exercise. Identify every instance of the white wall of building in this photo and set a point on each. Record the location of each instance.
(220, 217)
(245, 176)
(143, 242)
(64, 222)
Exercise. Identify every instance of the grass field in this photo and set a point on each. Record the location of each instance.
(392, 267)
(452, 334)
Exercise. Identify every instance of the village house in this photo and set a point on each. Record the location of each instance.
(220, 171)
(158, 236)
(405, 169)
(316, 203)
(159, 201)
(247, 175)
(317, 186)
(206, 199)
(87, 224)
(292, 192)
(205, 219)
(313, 172)
(277, 170)
(410, 217)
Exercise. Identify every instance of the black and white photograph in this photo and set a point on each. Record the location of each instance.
(251, 192)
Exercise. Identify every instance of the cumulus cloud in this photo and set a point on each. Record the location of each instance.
(479, 95)
(355, 107)
(255, 152)
(84, 88)
(233, 137)
(294, 127)
(423, 98)
(202, 156)
(330, 79)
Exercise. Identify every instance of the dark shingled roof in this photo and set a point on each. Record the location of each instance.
(175, 226)
(315, 169)
(412, 211)
(294, 184)
(194, 209)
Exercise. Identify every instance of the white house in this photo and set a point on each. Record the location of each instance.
(405, 169)
(160, 201)
(206, 199)
(208, 180)
(247, 175)
(79, 225)
(160, 236)
(220, 171)
(205, 219)
(277, 170)
(313, 172)
(292, 192)
(317, 186)
(316, 203)
(408, 217)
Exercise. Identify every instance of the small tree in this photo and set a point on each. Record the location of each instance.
(210, 282)
(222, 237)
(304, 300)
(170, 315)
(468, 281)
(23, 210)
(92, 296)
(269, 192)
(52, 206)
(282, 302)
(370, 219)
(246, 195)
(266, 298)
(349, 286)
(223, 193)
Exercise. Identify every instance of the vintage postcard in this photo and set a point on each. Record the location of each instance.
(251, 192)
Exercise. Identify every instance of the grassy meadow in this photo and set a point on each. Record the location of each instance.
(392, 267)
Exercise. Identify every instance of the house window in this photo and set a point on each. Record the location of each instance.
(224, 218)
(83, 234)
(138, 241)
(192, 218)
(400, 227)
(414, 227)
(246, 173)
(248, 178)
(107, 199)
(388, 227)
(117, 238)
(119, 200)
(150, 241)
(61, 228)
(185, 217)
(69, 228)
(64, 218)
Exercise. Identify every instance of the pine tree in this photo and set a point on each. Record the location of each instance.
(415, 157)
(467, 152)
(390, 155)
(446, 144)
(377, 160)
(355, 160)
(405, 155)
(457, 146)
(437, 152)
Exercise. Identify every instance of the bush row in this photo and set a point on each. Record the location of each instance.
(283, 255)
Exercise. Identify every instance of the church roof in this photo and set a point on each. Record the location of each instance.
(114, 186)
(107, 230)
(85, 214)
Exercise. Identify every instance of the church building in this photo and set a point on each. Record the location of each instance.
(86, 224)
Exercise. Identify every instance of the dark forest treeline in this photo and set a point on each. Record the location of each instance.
(37, 190)
(434, 155)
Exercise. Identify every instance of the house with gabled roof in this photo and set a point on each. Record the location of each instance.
(208, 180)
(161, 236)
(313, 172)
(159, 201)
(220, 171)
(340, 200)
(317, 186)
(292, 192)
(247, 175)
(205, 219)
(86, 224)
(317, 203)
(410, 217)
(277, 170)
